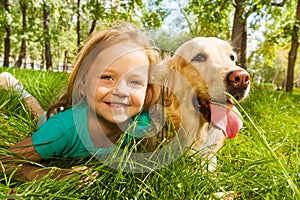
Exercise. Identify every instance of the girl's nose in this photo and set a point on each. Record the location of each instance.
(121, 89)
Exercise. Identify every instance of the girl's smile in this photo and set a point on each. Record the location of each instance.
(117, 105)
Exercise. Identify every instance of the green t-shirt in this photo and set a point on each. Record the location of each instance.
(66, 134)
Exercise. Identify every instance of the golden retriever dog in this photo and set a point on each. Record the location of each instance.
(194, 86)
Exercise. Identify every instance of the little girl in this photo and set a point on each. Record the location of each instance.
(108, 89)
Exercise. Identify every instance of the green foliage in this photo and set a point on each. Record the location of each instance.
(169, 42)
(262, 162)
(270, 59)
(63, 24)
(267, 57)
(153, 14)
(209, 18)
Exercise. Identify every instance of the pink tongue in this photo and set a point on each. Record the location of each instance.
(226, 119)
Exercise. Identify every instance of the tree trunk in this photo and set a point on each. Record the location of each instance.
(6, 46)
(32, 64)
(7, 37)
(43, 60)
(46, 20)
(293, 52)
(78, 26)
(22, 54)
(239, 32)
(65, 68)
(93, 26)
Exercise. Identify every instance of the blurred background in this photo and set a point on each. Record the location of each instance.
(47, 35)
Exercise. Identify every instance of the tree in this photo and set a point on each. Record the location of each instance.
(274, 44)
(78, 26)
(293, 51)
(169, 43)
(46, 22)
(243, 9)
(153, 14)
(47, 30)
(239, 30)
(208, 18)
(22, 55)
(7, 36)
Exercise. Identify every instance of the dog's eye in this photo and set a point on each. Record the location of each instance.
(199, 58)
(232, 57)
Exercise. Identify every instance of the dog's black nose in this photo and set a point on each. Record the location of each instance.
(239, 79)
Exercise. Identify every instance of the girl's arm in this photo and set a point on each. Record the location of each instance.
(19, 163)
(34, 106)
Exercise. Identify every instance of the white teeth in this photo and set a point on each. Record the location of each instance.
(118, 104)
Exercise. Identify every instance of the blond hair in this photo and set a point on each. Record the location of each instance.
(118, 32)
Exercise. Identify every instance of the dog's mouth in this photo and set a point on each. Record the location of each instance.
(224, 116)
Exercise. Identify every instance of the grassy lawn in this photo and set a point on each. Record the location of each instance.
(262, 162)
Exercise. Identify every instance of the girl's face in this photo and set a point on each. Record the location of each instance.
(116, 84)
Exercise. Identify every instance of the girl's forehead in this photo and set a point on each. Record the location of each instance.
(123, 58)
(114, 52)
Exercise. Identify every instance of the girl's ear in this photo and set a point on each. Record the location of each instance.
(82, 87)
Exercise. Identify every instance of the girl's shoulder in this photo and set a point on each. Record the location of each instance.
(71, 116)
(142, 116)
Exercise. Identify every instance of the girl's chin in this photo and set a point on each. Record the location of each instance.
(119, 119)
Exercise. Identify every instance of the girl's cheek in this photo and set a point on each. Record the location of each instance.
(139, 97)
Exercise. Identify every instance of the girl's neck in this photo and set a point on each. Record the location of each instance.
(104, 134)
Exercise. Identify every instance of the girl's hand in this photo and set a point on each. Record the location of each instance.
(88, 177)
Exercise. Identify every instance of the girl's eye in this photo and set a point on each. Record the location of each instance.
(107, 78)
(135, 83)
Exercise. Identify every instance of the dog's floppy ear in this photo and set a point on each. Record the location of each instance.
(165, 74)
(160, 73)
(177, 62)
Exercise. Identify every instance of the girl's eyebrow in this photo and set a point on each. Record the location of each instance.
(108, 70)
(138, 75)
(131, 72)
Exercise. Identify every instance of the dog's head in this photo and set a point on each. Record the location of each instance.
(209, 66)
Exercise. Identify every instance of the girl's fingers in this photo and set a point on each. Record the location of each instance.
(87, 177)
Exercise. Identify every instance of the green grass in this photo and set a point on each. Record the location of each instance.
(262, 162)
